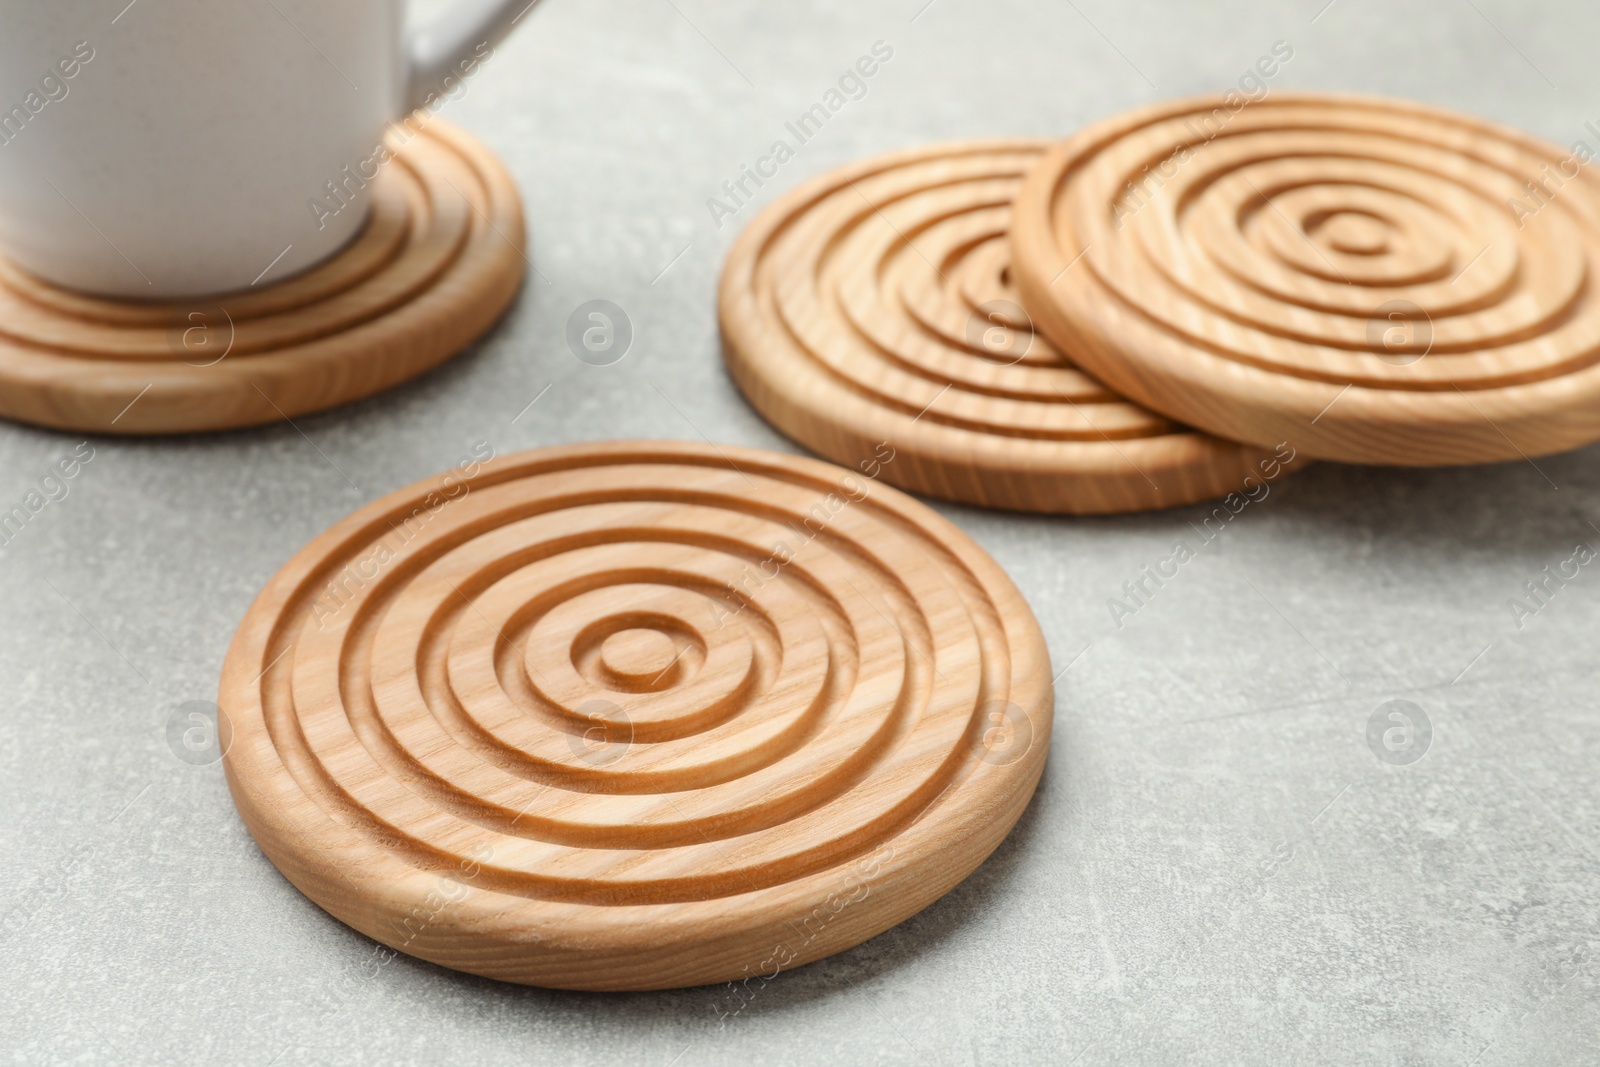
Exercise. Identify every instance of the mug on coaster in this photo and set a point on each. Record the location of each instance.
(185, 147)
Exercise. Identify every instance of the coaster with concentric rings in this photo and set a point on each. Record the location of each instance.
(1370, 280)
(635, 715)
(439, 259)
(870, 313)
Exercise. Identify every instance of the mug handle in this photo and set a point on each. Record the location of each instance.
(437, 48)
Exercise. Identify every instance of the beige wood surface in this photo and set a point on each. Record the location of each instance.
(1370, 280)
(871, 312)
(438, 261)
(635, 715)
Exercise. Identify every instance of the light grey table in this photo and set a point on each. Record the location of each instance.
(1217, 867)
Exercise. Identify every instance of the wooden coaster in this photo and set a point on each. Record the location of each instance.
(1371, 280)
(635, 715)
(438, 261)
(870, 313)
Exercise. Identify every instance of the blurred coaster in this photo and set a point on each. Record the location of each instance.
(438, 261)
(869, 314)
(634, 715)
(1371, 280)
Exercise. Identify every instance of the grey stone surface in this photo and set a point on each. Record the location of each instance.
(1217, 868)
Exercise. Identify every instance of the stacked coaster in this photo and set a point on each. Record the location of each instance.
(1309, 275)
(872, 315)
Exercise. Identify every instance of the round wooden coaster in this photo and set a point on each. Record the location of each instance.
(635, 715)
(438, 261)
(1370, 280)
(870, 314)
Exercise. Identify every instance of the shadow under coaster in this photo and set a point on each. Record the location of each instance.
(439, 260)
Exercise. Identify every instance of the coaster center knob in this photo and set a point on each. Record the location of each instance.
(1356, 233)
(640, 658)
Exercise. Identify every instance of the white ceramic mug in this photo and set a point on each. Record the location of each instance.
(174, 148)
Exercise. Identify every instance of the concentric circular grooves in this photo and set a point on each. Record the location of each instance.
(1213, 303)
(437, 262)
(694, 884)
(846, 309)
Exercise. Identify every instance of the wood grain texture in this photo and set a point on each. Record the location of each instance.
(871, 309)
(438, 261)
(1370, 280)
(635, 715)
